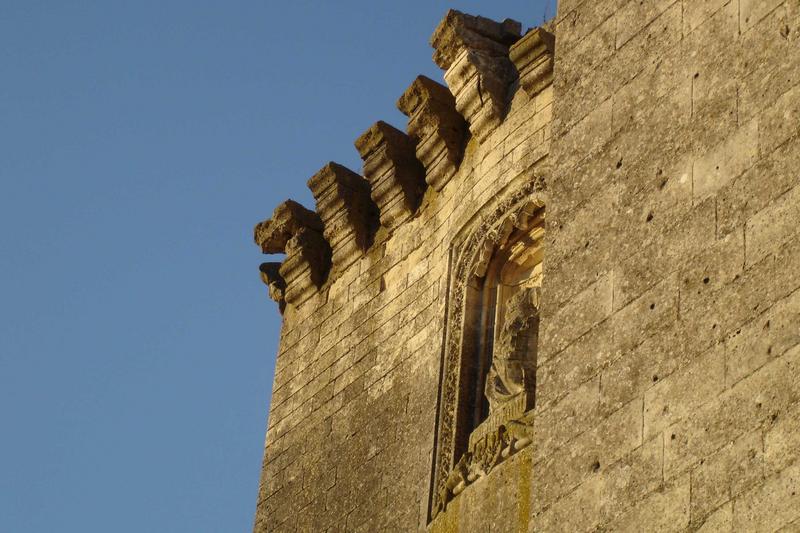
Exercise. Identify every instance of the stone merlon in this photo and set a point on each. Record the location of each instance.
(296, 231)
(473, 51)
(533, 57)
(395, 174)
(273, 234)
(348, 214)
(459, 31)
(437, 129)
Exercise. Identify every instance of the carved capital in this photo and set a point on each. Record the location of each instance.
(348, 214)
(295, 230)
(533, 57)
(473, 51)
(396, 177)
(271, 276)
(436, 128)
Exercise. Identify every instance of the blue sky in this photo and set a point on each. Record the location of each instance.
(140, 142)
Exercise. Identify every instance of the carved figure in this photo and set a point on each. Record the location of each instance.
(506, 377)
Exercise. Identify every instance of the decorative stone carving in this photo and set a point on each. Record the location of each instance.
(436, 128)
(271, 276)
(473, 51)
(505, 247)
(295, 230)
(396, 176)
(509, 374)
(348, 214)
(272, 235)
(480, 460)
(533, 56)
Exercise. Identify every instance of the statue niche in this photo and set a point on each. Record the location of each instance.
(497, 386)
(503, 305)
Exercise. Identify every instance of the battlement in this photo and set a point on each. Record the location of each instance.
(478, 56)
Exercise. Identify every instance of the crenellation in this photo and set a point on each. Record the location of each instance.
(396, 177)
(438, 130)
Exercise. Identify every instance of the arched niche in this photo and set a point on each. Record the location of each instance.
(489, 364)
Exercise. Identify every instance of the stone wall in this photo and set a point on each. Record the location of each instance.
(665, 143)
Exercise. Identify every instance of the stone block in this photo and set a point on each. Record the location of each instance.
(771, 227)
(681, 393)
(740, 409)
(586, 309)
(772, 505)
(780, 121)
(666, 509)
(725, 162)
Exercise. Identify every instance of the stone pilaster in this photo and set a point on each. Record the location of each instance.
(437, 129)
(395, 175)
(348, 214)
(296, 231)
(473, 51)
(533, 57)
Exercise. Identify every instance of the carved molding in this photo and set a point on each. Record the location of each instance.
(533, 56)
(296, 231)
(473, 51)
(437, 129)
(396, 177)
(509, 428)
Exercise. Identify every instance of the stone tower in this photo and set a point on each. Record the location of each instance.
(566, 298)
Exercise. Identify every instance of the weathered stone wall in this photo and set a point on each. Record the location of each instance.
(668, 385)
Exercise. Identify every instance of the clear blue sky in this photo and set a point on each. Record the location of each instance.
(139, 143)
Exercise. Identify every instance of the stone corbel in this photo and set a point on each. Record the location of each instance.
(436, 128)
(271, 276)
(348, 214)
(533, 57)
(473, 51)
(396, 176)
(296, 231)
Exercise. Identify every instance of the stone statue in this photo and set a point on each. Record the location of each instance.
(507, 378)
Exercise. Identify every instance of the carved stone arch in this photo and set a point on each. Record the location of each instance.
(471, 437)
